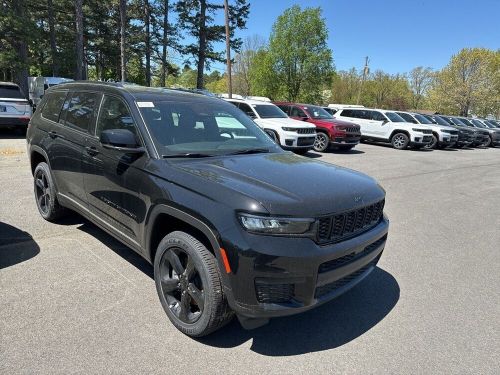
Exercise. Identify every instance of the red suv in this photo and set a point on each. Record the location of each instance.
(342, 135)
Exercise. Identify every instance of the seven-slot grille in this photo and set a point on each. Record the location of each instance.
(337, 227)
(306, 130)
(352, 129)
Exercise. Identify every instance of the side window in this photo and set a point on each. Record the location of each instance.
(80, 110)
(246, 108)
(347, 113)
(377, 116)
(297, 112)
(114, 115)
(53, 105)
(284, 108)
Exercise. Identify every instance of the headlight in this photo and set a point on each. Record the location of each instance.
(446, 131)
(417, 130)
(288, 129)
(275, 225)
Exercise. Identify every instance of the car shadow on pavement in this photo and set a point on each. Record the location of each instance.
(329, 326)
(120, 249)
(16, 246)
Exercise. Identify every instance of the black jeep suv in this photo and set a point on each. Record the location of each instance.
(232, 224)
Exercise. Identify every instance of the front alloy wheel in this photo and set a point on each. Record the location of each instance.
(432, 144)
(400, 141)
(189, 285)
(321, 142)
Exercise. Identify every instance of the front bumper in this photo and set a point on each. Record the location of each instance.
(303, 142)
(342, 139)
(278, 276)
(448, 140)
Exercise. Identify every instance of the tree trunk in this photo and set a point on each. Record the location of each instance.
(123, 24)
(79, 39)
(163, 77)
(147, 24)
(21, 73)
(52, 36)
(202, 44)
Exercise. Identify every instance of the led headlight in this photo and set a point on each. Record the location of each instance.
(417, 130)
(288, 129)
(275, 225)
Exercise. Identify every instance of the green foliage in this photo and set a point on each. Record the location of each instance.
(298, 63)
(469, 83)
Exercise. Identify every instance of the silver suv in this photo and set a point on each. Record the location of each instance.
(15, 110)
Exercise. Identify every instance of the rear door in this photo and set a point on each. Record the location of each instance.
(113, 178)
(362, 117)
(379, 125)
(69, 135)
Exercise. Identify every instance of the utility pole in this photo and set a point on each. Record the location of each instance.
(228, 52)
(365, 73)
(123, 25)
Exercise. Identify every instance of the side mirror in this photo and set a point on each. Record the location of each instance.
(385, 122)
(121, 140)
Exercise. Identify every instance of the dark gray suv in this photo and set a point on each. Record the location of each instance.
(232, 224)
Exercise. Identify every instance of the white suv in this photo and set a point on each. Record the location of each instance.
(380, 125)
(442, 136)
(15, 110)
(294, 135)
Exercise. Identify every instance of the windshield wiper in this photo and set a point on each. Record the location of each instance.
(186, 155)
(249, 151)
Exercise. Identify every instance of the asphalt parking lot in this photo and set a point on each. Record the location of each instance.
(73, 300)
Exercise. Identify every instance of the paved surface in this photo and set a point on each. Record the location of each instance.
(73, 300)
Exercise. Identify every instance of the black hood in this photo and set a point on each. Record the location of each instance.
(279, 183)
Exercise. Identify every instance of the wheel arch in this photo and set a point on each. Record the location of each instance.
(37, 156)
(164, 219)
(396, 131)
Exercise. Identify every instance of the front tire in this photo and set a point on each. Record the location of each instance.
(433, 144)
(487, 143)
(400, 141)
(321, 142)
(45, 193)
(189, 285)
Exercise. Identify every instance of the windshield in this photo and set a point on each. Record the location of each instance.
(269, 111)
(466, 122)
(491, 124)
(423, 119)
(11, 92)
(407, 117)
(394, 117)
(478, 124)
(203, 128)
(317, 112)
(458, 121)
(446, 119)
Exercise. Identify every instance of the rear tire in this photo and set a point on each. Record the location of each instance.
(45, 194)
(400, 141)
(321, 142)
(189, 285)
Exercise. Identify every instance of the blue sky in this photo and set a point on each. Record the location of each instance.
(396, 35)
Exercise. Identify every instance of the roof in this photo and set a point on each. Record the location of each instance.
(250, 101)
(136, 91)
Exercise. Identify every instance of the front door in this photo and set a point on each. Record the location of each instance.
(113, 178)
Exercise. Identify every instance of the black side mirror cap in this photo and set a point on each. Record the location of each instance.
(121, 140)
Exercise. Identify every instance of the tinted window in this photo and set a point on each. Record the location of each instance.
(318, 112)
(394, 117)
(202, 127)
(423, 119)
(52, 107)
(352, 113)
(285, 108)
(297, 112)
(269, 111)
(80, 110)
(377, 116)
(246, 108)
(11, 92)
(330, 110)
(115, 115)
(407, 117)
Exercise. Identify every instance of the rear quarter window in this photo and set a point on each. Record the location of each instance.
(53, 105)
(80, 110)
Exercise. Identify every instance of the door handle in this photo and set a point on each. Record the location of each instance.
(92, 151)
(52, 134)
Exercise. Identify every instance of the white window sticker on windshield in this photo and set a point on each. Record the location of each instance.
(145, 104)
